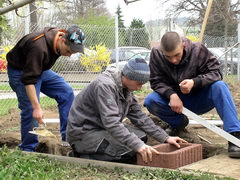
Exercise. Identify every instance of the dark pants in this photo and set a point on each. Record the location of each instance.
(216, 96)
(100, 145)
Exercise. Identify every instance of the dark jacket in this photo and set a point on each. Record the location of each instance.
(33, 56)
(197, 63)
(102, 105)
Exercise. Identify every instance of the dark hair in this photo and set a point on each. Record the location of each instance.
(170, 41)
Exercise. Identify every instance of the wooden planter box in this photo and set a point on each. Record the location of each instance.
(172, 157)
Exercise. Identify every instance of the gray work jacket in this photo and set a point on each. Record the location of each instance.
(102, 105)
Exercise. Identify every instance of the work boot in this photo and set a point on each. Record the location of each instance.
(233, 150)
(172, 131)
(175, 131)
(73, 154)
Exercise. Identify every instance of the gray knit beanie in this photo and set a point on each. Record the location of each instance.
(137, 70)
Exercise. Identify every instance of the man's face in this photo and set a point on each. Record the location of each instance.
(132, 85)
(174, 56)
(64, 49)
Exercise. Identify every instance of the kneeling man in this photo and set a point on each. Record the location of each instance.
(95, 129)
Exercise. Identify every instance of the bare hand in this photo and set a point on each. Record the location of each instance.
(38, 115)
(146, 152)
(37, 110)
(186, 86)
(175, 140)
(176, 103)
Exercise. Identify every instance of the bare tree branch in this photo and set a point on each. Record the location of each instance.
(222, 11)
(15, 6)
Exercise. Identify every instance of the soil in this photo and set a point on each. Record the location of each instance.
(212, 143)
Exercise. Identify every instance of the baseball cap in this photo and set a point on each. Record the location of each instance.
(75, 37)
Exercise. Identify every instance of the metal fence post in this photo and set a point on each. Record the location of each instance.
(116, 39)
(238, 67)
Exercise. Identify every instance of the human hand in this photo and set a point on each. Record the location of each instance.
(176, 103)
(175, 140)
(146, 152)
(38, 115)
(186, 86)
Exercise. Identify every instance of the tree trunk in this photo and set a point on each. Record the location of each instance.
(33, 17)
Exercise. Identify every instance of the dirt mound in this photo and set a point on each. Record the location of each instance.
(52, 146)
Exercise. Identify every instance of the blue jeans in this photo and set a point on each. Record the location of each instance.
(50, 84)
(217, 95)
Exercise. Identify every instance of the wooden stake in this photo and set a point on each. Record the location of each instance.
(205, 20)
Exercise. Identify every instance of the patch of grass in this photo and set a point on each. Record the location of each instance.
(144, 91)
(47, 102)
(5, 87)
(18, 165)
(230, 79)
(7, 104)
(12, 129)
(77, 86)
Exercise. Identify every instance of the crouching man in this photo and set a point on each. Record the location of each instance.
(95, 129)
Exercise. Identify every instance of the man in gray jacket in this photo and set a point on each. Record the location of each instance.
(95, 128)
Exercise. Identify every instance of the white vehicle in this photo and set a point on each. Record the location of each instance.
(232, 59)
(126, 52)
(144, 55)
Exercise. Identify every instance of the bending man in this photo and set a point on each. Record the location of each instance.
(29, 73)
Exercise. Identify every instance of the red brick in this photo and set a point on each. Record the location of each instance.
(172, 157)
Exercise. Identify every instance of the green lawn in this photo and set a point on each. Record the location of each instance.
(7, 104)
(77, 86)
(46, 102)
(6, 87)
(17, 165)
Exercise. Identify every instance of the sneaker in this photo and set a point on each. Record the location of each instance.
(172, 131)
(233, 150)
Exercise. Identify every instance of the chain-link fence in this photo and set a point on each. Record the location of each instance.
(73, 70)
(226, 49)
